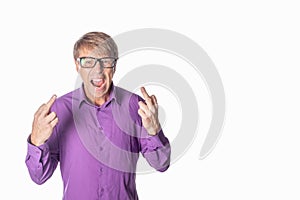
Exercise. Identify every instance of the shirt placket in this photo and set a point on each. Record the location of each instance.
(101, 149)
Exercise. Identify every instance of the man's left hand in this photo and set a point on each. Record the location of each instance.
(149, 113)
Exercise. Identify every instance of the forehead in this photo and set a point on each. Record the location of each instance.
(93, 52)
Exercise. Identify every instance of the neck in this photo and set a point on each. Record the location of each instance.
(98, 100)
(101, 100)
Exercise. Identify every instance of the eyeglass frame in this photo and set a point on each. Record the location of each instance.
(97, 60)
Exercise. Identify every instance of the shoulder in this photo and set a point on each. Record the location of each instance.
(63, 104)
(123, 91)
(127, 104)
(65, 99)
(127, 97)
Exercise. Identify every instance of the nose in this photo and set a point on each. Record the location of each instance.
(98, 68)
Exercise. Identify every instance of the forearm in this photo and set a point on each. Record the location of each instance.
(157, 151)
(41, 163)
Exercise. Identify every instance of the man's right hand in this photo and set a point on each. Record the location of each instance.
(43, 123)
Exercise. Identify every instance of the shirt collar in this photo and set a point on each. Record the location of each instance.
(82, 98)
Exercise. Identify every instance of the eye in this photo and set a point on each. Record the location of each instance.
(87, 62)
(107, 62)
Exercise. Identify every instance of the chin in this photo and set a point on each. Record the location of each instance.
(100, 93)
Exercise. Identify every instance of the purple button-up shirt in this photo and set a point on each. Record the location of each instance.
(97, 147)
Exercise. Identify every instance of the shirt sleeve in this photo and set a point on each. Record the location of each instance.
(40, 161)
(156, 150)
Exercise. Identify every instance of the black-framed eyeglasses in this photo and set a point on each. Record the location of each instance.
(90, 62)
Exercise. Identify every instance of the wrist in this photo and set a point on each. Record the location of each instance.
(154, 130)
(34, 141)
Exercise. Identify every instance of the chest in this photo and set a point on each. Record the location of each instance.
(98, 134)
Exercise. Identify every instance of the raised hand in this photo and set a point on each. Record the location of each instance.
(149, 113)
(43, 123)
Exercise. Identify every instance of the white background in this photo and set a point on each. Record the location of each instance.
(254, 45)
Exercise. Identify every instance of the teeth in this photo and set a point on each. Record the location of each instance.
(97, 82)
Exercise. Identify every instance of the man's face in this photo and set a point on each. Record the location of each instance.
(96, 81)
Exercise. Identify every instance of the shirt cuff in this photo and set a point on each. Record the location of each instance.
(156, 141)
(37, 151)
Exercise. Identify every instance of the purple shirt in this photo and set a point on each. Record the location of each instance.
(97, 147)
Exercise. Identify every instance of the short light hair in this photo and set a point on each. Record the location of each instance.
(96, 41)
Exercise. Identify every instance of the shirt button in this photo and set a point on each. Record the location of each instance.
(101, 191)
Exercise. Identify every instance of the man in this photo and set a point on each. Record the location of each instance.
(97, 131)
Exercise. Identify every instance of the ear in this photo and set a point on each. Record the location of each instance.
(115, 67)
(77, 65)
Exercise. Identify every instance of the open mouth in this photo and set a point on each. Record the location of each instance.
(99, 82)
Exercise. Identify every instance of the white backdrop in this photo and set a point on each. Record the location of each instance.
(255, 48)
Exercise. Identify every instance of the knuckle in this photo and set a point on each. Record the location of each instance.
(36, 117)
(43, 106)
(48, 127)
(53, 114)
